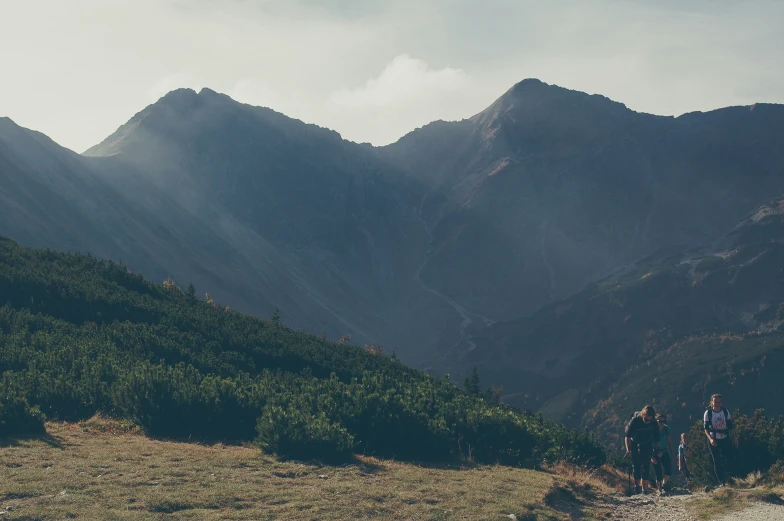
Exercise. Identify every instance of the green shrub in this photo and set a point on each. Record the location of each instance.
(17, 418)
(180, 402)
(297, 434)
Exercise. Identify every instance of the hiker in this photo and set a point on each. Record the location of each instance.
(662, 460)
(721, 437)
(682, 467)
(642, 436)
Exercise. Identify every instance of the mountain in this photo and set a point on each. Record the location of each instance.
(672, 329)
(421, 246)
(550, 189)
(332, 210)
(260, 210)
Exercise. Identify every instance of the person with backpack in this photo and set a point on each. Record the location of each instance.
(662, 460)
(642, 437)
(682, 467)
(721, 437)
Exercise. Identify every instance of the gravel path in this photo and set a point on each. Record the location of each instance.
(673, 508)
(651, 508)
(758, 512)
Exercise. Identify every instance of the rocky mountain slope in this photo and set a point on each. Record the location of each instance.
(419, 245)
(671, 330)
(259, 210)
(550, 189)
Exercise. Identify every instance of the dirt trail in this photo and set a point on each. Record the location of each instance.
(650, 507)
(673, 508)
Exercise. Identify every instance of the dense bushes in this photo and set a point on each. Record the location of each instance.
(17, 418)
(182, 403)
(79, 335)
(760, 447)
(296, 432)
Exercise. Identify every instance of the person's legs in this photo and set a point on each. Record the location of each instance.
(645, 466)
(657, 469)
(728, 453)
(718, 467)
(685, 471)
(666, 463)
(636, 465)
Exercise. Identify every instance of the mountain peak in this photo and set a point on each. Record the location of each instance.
(174, 112)
(187, 99)
(533, 89)
(533, 108)
(206, 91)
(178, 97)
(530, 84)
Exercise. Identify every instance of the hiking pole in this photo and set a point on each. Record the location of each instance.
(629, 483)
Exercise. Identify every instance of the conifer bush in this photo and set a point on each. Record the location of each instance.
(79, 336)
(17, 418)
(295, 433)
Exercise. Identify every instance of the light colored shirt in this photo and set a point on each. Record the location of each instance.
(719, 422)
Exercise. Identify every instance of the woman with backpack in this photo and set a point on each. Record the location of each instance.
(662, 461)
(642, 437)
(721, 437)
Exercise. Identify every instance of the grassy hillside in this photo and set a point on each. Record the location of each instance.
(79, 335)
(99, 469)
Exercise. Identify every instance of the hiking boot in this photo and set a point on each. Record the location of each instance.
(637, 489)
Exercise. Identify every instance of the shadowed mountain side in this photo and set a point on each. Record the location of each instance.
(673, 328)
(418, 245)
(550, 189)
(334, 266)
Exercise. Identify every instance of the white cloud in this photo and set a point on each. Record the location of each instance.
(403, 80)
(407, 94)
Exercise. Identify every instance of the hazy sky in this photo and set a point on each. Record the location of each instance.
(371, 69)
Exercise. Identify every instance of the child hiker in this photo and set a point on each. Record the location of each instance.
(682, 468)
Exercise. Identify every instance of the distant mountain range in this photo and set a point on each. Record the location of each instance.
(481, 242)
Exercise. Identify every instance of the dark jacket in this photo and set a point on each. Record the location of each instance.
(642, 433)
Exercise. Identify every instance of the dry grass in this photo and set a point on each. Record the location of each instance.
(750, 481)
(725, 501)
(602, 481)
(104, 470)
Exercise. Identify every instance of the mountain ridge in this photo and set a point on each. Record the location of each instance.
(419, 244)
